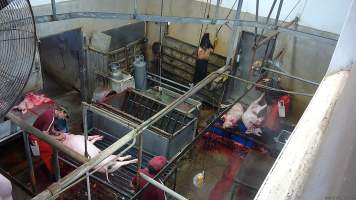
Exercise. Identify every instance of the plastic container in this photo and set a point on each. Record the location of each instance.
(100, 41)
(119, 85)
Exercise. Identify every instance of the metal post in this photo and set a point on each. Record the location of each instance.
(278, 13)
(257, 6)
(54, 10)
(85, 130)
(85, 127)
(217, 9)
(162, 187)
(175, 178)
(57, 188)
(139, 156)
(29, 162)
(57, 173)
(46, 138)
(269, 15)
(233, 36)
(135, 9)
(88, 185)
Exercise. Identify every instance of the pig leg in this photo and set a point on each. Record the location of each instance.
(95, 138)
(260, 108)
(258, 100)
(116, 165)
(123, 158)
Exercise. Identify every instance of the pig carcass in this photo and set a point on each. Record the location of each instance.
(109, 165)
(5, 188)
(233, 116)
(250, 117)
(30, 101)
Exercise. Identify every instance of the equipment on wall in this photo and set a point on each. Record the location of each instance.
(115, 70)
(17, 50)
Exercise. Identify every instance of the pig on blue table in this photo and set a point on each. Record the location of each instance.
(251, 119)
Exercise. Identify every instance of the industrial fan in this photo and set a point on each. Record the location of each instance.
(17, 50)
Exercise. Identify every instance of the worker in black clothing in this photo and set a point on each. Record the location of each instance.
(201, 63)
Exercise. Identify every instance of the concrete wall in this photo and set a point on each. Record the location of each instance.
(88, 25)
(319, 159)
(303, 57)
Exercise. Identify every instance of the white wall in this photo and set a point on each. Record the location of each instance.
(326, 15)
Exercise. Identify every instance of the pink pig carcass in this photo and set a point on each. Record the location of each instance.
(250, 117)
(5, 188)
(30, 101)
(233, 116)
(109, 165)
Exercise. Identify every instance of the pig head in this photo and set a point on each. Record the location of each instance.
(5, 188)
(250, 117)
(109, 165)
(233, 116)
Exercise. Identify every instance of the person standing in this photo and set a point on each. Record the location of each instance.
(201, 63)
(45, 123)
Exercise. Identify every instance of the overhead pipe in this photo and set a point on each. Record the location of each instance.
(291, 76)
(54, 10)
(180, 20)
(278, 12)
(269, 88)
(56, 188)
(217, 9)
(268, 17)
(46, 138)
(234, 36)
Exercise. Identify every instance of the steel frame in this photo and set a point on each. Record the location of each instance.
(83, 171)
(182, 20)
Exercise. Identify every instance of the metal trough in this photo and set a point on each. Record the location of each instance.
(166, 137)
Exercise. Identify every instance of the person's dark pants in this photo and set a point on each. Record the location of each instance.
(201, 70)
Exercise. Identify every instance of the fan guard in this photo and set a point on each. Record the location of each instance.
(17, 50)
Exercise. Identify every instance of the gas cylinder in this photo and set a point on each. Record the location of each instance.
(140, 73)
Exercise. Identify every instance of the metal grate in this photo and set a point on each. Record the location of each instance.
(17, 50)
(138, 107)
